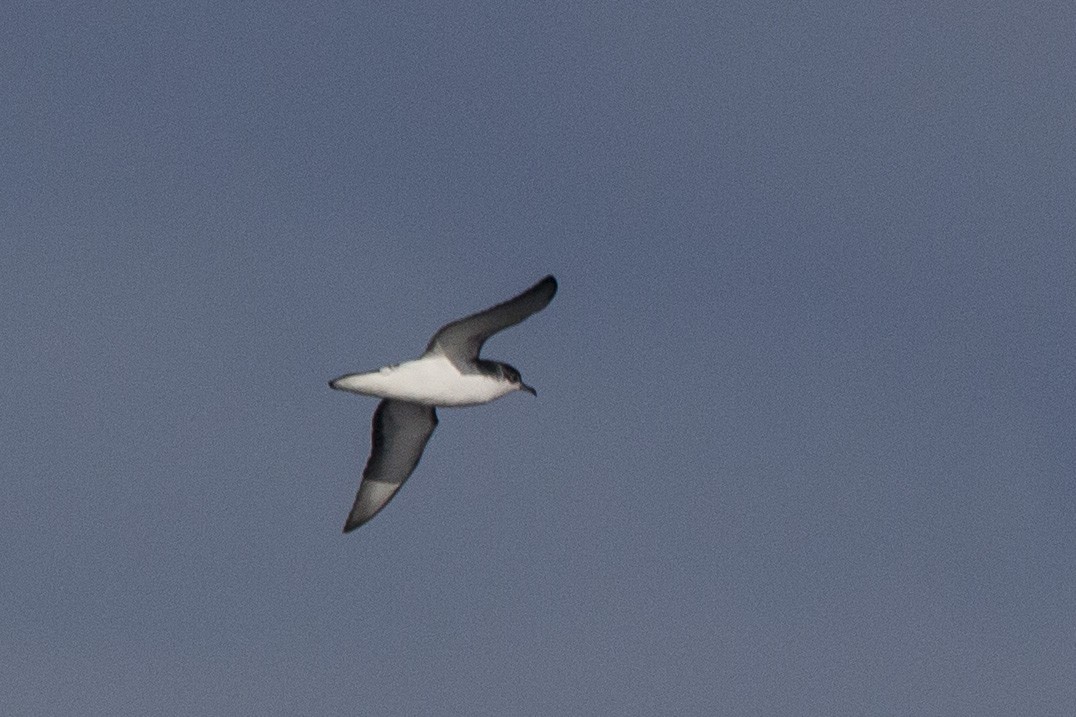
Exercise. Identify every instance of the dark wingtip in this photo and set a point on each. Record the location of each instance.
(549, 283)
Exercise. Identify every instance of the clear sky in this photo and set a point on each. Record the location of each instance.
(804, 438)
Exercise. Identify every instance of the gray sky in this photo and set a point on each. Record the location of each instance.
(803, 443)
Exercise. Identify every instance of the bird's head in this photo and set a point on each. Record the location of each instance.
(511, 375)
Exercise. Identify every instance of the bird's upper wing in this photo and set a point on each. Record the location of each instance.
(400, 432)
(461, 340)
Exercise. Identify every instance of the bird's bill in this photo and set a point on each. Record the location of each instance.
(528, 389)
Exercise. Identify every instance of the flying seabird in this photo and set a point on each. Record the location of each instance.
(449, 373)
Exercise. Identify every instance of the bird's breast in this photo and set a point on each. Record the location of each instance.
(431, 380)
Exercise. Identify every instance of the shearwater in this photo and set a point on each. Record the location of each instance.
(449, 373)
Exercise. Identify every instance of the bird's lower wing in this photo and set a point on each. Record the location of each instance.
(400, 432)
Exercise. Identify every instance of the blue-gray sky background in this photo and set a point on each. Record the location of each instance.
(804, 438)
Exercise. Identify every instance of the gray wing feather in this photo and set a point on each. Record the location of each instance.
(461, 340)
(400, 432)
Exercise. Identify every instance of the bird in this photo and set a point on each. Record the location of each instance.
(448, 373)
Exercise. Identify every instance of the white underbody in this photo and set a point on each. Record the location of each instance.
(432, 380)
